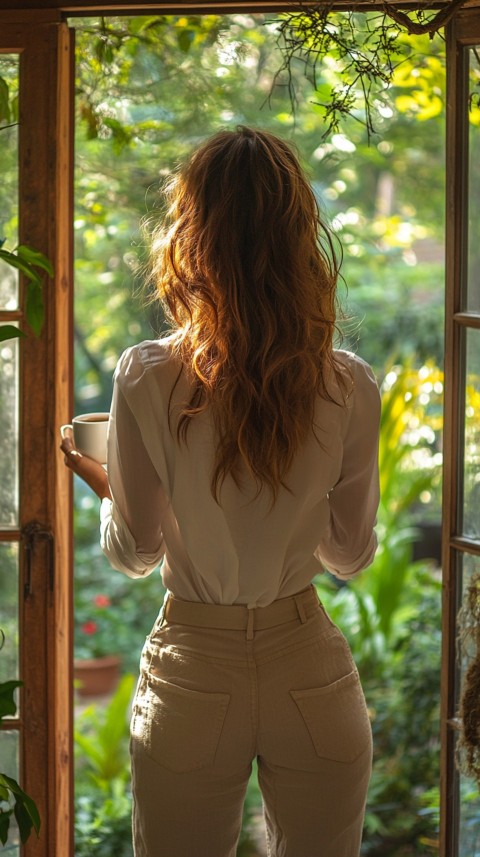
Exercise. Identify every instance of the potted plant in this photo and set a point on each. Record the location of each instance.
(13, 800)
(98, 628)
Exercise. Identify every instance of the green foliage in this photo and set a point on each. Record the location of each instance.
(394, 316)
(134, 605)
(403, 803)
(101, 740)
(374, 606)
(166, 82)
(13, 800)
(103, 825)
(32, 265)
(410, 429)
(102, 783)
(390, 615)
(7, 702)
(24, 809)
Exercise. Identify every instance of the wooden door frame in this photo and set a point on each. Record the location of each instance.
(46, 374)
(46, 218)
(463, 31)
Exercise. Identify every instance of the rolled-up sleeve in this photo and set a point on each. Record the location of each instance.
(131, 523)
(350, 542)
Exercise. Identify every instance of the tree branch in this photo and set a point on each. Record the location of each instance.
(432, 26)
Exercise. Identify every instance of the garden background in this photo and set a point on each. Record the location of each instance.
(148, 89)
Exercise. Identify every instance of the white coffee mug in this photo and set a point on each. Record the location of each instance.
(89, 434)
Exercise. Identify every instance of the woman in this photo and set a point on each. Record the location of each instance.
(242, 453)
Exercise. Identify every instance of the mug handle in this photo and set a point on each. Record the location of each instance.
(64, 428)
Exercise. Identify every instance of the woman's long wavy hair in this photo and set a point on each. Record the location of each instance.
(247, 274)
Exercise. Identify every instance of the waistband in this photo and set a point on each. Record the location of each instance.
(239, 617)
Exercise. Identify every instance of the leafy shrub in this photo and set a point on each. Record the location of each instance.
(103, 825)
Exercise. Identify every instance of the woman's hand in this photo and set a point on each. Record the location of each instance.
(89, 470)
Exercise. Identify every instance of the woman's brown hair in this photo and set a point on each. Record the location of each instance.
(247, 273)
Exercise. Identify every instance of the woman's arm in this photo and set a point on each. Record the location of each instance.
(131, 525)
(133, 499)
(350, 542)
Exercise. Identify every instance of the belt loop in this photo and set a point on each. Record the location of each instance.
(250, 623)
(300, 608)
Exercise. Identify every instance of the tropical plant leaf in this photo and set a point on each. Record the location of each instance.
(26, 814)
(35, 307)
(35, 258)
(5, 815)
(90, 750)
(31, 263)
(15, 262)
(9, 331)
(25, 810)
(114, 727)
(7, 702)
(104, 744)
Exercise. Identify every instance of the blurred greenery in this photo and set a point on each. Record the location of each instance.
(18, 812)
(102, 782)
(391, 616)
(149, 89)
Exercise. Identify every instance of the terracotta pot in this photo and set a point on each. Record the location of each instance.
(97, 676)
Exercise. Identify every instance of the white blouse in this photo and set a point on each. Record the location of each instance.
(240, 550)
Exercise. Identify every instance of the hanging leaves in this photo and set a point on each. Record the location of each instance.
(13, 800)
(33, 265)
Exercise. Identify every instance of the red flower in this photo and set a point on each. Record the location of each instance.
(102, 601)
(89, 628)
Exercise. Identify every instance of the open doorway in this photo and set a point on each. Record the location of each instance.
(148, 89)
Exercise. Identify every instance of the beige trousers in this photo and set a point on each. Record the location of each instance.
(220, 686)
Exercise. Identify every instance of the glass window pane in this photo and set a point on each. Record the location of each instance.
(9, 183)
(473, 283)
(469, 805)
(9, 765)
(9, 611)
(9, 368)
(471, 494)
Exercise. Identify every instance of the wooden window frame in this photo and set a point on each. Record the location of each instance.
(45, 376)
(463, 32)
